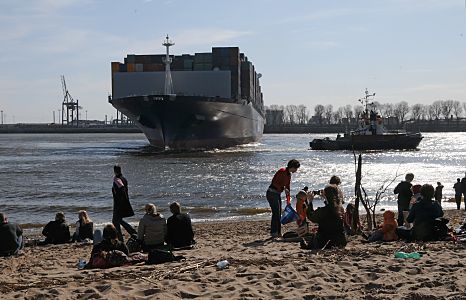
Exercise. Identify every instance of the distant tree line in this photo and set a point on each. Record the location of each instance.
(326, 114)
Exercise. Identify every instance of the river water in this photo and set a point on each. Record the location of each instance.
(41, 174)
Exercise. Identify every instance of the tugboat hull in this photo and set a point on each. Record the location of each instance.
(408, 141)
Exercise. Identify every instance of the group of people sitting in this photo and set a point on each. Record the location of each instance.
(420, 222)
(153, 231)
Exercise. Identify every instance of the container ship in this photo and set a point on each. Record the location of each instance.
(184, 102)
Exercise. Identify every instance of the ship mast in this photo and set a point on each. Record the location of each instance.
(168, 75)
(365, 101)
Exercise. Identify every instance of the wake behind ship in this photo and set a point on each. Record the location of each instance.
(201, 101)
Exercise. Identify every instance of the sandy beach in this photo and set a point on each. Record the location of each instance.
(260, 268)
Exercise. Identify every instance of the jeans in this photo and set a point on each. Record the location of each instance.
(117, 221)
(275, 203)
(458, 201)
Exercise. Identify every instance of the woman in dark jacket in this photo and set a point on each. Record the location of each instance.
(84, 227)
(330, 220)
(423, 214)
(56, 232)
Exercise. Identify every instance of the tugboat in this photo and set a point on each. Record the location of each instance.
(370, 134)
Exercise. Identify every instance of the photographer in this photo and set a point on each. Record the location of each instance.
(330, 220)
(280, 182)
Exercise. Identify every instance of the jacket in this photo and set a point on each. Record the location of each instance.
(56, 232)
(9, 234)
(179, 230)
(403, 189)
(423, 214)
(152, 229)
(121, 205)
(330, 220)
(389, 226)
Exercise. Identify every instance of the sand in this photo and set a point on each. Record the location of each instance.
(260, 268)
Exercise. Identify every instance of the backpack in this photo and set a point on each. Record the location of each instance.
(441, 228)
(133, 245)
(159, 256)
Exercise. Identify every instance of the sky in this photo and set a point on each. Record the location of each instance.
(308, 52)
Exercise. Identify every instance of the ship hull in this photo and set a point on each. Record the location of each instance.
(192, 122)
(408, 141)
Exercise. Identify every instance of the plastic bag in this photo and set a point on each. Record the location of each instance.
(289, 215)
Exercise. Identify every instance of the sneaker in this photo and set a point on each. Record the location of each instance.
(276, 235)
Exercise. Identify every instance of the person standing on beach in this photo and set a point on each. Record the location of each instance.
(463, 189)
(121, 205)
(280, 182)
(438, 193)
(458, 190)
(403, 189)
(11, 237)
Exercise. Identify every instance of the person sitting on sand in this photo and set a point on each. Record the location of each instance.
(11, 237)
(179, 229)
(301, 206)
(423, 214)
(56, 232)
(84, 227)
(330, 220)
(350, 214)
(387, 230)
(110, 241)
(335, 180)
(152, 228)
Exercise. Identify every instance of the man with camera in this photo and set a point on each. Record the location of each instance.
(280, 182)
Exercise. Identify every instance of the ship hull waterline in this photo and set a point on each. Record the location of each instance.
(408, 141)
(192, 122)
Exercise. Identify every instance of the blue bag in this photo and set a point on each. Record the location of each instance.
(289, 215)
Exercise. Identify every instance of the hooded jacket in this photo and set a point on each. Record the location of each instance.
(152, 229)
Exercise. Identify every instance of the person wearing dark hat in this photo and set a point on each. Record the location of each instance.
(121, 206)
(280, 183)
(11, 237)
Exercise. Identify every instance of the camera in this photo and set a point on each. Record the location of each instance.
(317, 192)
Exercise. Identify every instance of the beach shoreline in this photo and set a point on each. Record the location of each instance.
(260, 268)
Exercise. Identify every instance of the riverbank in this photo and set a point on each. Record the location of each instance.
(260, 268)
(56, 128)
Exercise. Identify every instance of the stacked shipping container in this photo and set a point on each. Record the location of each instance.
(244, 79)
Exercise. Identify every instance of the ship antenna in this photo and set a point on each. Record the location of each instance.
(168, 75)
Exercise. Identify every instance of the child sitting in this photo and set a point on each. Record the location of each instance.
(349, 218)
(387, 230)
(301, 209)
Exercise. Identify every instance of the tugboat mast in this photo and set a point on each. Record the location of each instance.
(168, 75)
(365, 101)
